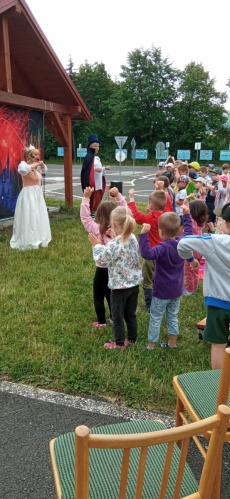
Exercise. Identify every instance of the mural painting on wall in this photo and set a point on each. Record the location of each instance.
(18, 129)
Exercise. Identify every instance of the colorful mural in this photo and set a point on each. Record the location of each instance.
(18, 129)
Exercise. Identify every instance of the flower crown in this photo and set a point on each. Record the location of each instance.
(30, 148)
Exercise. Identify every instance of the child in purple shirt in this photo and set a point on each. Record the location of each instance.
(169, 275)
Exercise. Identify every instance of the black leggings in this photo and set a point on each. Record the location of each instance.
(101, 291)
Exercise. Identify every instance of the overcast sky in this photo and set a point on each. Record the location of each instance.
(105, 31)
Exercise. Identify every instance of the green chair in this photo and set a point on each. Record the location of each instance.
(135, 460)
(198, 396)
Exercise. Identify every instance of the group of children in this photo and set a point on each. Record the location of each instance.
(167, 238)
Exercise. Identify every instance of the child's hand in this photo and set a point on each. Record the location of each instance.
(195, 264)
(203, 191)
(107, 167)
(145, 228)
(159, 184)
(185, 209)
(111, 233)
(98, 170)
(93, 239)
(88, 191)
(131, 194)
(114, 192)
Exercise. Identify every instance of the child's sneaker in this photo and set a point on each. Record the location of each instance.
(96, 324)
(110, 321)
(166, 345)
(112, 345)
(189, 293)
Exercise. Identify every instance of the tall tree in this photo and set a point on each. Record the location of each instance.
(199, 107)
(95, 87)
(146, 95)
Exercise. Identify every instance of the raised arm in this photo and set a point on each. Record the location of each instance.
(89, 224)
(148, 252)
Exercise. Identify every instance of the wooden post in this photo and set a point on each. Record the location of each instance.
(5, 66)
(68, 161)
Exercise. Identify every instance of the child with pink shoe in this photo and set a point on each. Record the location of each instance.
(99, 228)
(121, 257)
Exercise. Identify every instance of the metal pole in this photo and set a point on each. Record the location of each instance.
(43, 184)
(120, 166)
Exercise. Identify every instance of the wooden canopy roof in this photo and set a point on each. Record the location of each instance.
(33, 69)
(32, 76)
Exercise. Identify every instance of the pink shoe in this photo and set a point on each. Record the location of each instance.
(112, 345)
(96, 324)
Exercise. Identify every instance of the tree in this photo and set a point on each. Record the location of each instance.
(199, 107)
(50, 145)
(145, 96)
(95, 87)
(70, 67)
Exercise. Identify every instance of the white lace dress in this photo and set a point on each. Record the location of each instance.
(31, 222)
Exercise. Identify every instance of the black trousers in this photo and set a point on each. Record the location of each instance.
(124, 305)
(100, 292)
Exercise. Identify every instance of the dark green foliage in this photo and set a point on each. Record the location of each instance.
(152, 101)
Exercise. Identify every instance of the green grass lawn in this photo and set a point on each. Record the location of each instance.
(46, 335)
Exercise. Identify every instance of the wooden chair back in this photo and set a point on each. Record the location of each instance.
(224, 385)
(84, 441)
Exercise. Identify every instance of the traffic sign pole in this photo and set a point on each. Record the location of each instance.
(133, 144)
(120, 140)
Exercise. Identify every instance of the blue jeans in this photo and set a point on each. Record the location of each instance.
(157, 310)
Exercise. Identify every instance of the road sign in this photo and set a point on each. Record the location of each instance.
(120, 141)
(125, 151)
(197, 146)
(163, 155)
(60, 151)
(133, 143)
(120, 156)
(167, 145)
(160, 147)
(183, 154)
(141, 153)
(81, 153)
(205, 155)
(225, 155)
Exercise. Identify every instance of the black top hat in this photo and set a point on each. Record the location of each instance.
(93, 138)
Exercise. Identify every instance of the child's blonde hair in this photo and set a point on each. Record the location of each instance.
(123, 217)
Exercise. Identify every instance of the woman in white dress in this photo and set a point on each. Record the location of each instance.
(31, 222)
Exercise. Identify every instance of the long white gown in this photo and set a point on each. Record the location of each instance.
(31, 222)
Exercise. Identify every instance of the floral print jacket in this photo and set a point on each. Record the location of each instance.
(122, 261)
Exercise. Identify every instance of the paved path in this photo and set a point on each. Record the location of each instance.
(29, 419)
(140, 179)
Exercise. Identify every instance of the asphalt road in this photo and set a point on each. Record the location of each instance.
(26, 427)
(140, 179)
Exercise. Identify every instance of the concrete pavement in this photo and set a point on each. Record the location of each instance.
(30, 418)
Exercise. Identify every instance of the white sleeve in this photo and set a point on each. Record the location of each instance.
(200, 244)
(24, 168)
(42, 170)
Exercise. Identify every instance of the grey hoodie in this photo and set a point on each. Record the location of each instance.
(216, 250)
